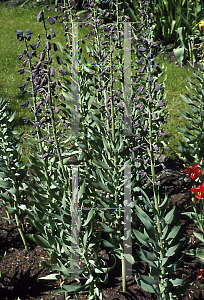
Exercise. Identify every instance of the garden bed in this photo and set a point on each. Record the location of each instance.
(24, 267)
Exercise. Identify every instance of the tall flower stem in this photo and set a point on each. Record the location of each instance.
(155, 191)
(116, 180)
(39, 134)
(53, 119)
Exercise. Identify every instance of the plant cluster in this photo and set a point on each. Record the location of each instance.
(116, 134)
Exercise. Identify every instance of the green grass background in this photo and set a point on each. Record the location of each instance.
(14, 18)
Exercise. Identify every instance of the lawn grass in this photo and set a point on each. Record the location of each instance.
(23, 18)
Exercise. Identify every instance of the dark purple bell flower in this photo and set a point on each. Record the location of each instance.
(44, 155)
(56, 109)
(33, 46)
(20, 56)
(52, 33)
(137, 98)
(19, 34)
(54, 47)
(142, 107)
(48, 99)
(52, 72)
(140, 89)
(149, 78)
(62, 72)
(28, 34)
(141, 70)
(159, 69)
(161, 103)
(136, 148)
(25, 104)
(167, 148)
(21, 71)
(146, 161)
(65, 124)
(34, 132)
(42, 120)
(47, 46)
(38, 105)
(60, 62)
(156, 148)
(40, 16)
(138, 79)
(150, 99)
(159, 87)
(42, 56)
(154, 117)
(142, 49)
(38, 65)
(51, 20)
(61, 95)
(26, 120)
(41, 140)
(162, 133)
(154, 45)
(140, 61)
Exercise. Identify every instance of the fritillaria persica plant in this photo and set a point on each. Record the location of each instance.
(117, 130)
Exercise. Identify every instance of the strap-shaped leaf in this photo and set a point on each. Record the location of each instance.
(107, 244)
(149, 280)
(199, 236)
(53, 258)
(98, 162)
(170, 216)
(90, 215)
(68, 288)
(142, 238)
(173, 233)
(171, 251)
(39, 241)
(145, 219)
(107, 228)
(55, 276)
(186, 100)
(49, 236)
(145, 286)
(147, 257)
(194, 110)
(5, 184)
(129, 258)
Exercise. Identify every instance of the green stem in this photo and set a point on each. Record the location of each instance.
(39, 134)
(116, 181)
(8, 215)
(155, 191)
(53, 120)
(22, 234)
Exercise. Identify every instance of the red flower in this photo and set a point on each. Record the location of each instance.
(199, 274)
(199, 190)
(193, 172)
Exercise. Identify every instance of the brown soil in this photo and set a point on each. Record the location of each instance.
(24, 268)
